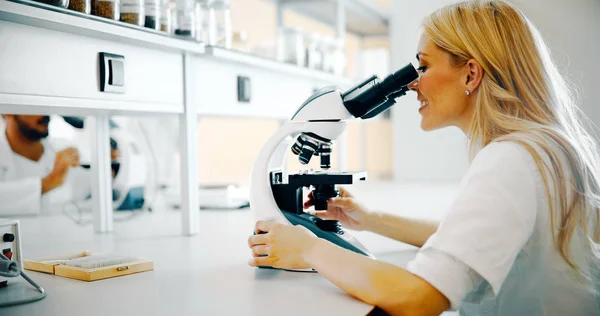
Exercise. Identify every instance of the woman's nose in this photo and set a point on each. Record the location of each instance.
(414, 85)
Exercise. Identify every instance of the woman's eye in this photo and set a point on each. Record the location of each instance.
(422, 69)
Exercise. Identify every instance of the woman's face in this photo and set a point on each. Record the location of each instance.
(441, 89)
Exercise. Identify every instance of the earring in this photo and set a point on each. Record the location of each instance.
(468, 92)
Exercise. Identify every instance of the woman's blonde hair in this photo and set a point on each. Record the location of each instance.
(522, 92)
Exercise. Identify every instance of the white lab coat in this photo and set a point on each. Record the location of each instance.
(494, 254)
(21, 182)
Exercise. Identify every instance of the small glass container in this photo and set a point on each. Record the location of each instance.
(152, 10)
(294, 49)
(223, 29)
(186, 19)
(339, 58)
(83, 6)
(326, 47)
(202, 8)
(109, 9)
(166, 13)
(56, 3)
(211, 24)
(132, 11)
(314, 56)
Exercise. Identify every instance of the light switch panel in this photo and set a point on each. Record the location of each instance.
(244, 89)
(112, 73)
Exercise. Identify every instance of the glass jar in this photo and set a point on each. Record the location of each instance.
(109, 9)
(186, 20)
(223, 30)
(293, 48)
(211, 24)
(326, 46)
(202, 10)
(339, 57)
(152, 10)
(56, 3)
(314, 57)
(84, 6)
(166, 13)
(132, 11)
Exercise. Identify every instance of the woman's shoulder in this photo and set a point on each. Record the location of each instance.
(516, 153)
(508, 157)
(503, 152)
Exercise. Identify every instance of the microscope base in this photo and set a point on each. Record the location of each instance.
(340, 238)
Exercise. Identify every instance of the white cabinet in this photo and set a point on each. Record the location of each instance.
(40, 65)
(275, 90)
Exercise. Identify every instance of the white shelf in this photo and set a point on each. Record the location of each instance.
(22, 104)
(54, 18)
(68, 21)
(362, 16)
(269, 64)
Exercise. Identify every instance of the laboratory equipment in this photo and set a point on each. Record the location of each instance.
(128, 186)
(277, 196)
(133, 12)
(11, 266)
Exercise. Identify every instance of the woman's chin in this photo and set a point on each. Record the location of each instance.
(429, 126)
(426, 126)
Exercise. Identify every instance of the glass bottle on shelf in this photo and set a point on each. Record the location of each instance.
(186, 20)
(202, 10)
(211, 24)
(83, 6)
(152, 14)
(314, 56)
(223, 29)
(132, 11)
(339, 57)
(166, 16)
(110, 9)
(293, 48)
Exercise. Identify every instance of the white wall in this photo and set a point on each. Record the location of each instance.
(571, 29)
(419, 155)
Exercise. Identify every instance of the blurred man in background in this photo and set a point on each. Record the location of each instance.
(34, 177)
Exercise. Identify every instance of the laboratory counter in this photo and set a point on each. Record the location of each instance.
(205, 274)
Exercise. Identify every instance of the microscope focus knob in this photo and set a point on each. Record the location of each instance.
(330, 225)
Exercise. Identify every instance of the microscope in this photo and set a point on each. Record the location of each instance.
(277, 196)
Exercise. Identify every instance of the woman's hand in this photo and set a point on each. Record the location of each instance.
(345, 208)
(280, 246)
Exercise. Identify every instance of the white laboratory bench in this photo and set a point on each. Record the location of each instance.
(207, 274)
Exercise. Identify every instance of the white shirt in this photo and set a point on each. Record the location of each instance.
(493, 252)
(21, 182)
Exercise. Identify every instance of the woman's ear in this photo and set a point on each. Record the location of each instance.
(474, 75)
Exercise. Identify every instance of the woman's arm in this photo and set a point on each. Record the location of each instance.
(407, 230)
(391, 288)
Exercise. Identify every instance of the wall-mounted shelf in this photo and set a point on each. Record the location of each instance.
(269, 64)
(362, 17)
(68, 21)
(252, 86)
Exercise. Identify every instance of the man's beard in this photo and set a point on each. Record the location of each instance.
(31, 134)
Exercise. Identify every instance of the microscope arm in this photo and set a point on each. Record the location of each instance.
(261, 196)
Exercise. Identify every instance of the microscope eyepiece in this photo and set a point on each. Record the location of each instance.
(371, 94)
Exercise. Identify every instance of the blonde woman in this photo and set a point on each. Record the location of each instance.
(522, 236)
